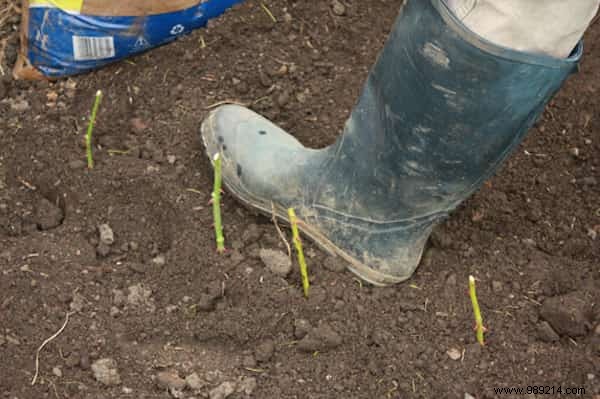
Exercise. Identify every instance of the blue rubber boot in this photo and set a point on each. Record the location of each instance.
(440, 110)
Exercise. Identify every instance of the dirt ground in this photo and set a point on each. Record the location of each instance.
(155, 312)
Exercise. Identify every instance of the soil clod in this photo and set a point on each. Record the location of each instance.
(223, 391)
(247, 385)
(264, 351)
(321, 338)
(276, 261)
(48, 215)
(334, 264)
(141, 297)
(301, 328)
(566, 314)
(194, 382)
(206, 303)
(546, 333)
(170, 380)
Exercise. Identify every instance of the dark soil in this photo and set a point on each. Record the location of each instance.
(162, 304)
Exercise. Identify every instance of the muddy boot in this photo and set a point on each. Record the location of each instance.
(441, 109)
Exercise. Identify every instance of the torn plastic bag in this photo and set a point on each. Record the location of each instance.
(67, 37)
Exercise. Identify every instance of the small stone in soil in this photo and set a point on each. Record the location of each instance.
(47, 215)
(170, 380)
(105, 371)
(546, 333)
(159, 260)
(57, 371)
(106, 233)
(276, 261)
(454, 354)
(338, 8)
(223, 391)
(264, 351)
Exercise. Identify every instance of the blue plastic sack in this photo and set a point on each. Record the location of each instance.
(68, 37)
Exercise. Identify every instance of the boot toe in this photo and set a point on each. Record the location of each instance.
(227, 125)
(260, 160)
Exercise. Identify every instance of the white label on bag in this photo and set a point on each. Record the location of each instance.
(93, 48)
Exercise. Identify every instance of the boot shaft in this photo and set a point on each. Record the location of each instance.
(440, 110)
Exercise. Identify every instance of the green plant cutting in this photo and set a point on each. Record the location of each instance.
(90, 130)
(216, 204)
(298, 245)
(479, 328)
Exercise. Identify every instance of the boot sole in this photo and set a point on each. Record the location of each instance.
(362, 271)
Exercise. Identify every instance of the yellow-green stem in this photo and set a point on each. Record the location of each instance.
(216, 203)
(268, 12)
(476, 311)
(298, 245)
(90, 129)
